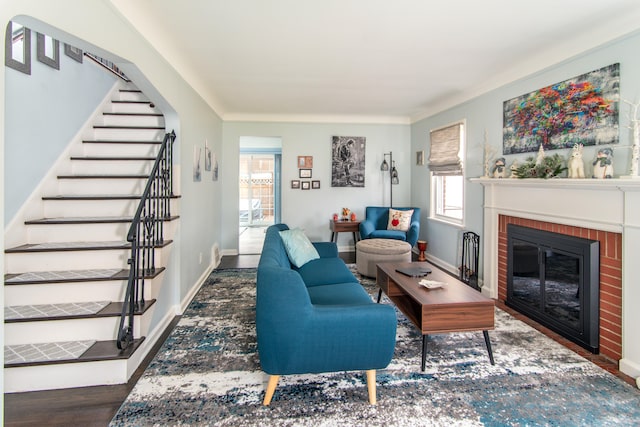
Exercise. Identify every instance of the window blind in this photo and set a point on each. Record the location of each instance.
(444, 157)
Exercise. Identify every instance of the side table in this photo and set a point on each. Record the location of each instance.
(344, 226)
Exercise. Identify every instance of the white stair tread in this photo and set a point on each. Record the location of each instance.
(49, 246)
(44, 352)
(53, 310)
(63, 275)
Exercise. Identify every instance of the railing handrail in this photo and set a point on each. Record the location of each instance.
(152, 210)
(168, 139)
(108, 65)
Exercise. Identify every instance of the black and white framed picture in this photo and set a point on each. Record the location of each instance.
(197, 168)
(295, 184)
(315, 185)
(305, 173)
(306, 185)
(347, 161)
(73, 52)
(207, 156)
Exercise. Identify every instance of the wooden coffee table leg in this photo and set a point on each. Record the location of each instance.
(424, 350)
(379, 294)
(488, 342)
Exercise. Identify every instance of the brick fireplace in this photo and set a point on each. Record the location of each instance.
(610, 275)
(607, 210)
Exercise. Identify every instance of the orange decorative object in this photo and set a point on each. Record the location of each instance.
(422, 246)
(353, 216)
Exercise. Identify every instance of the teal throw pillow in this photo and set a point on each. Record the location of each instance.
(299, 247)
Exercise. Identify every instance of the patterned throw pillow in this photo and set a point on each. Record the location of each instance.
(399, 220)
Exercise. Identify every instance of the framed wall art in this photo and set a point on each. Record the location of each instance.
(581, 110)
(347, 161)
(305, 173)
(73, 52)
(305, 162)
(295, 184)
(315, 185)
(197, 168)
(306, 185)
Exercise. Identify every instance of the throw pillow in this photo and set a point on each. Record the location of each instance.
(399, 220)
(298, 246)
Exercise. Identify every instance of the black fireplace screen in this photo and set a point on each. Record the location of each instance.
(554, 279)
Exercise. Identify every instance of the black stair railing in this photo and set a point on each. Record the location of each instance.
(145, 234)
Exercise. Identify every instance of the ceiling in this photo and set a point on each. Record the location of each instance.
(366, 60)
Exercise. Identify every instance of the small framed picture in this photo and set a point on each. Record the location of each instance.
(305, 162)
(73, 52)
(305, 173)
(420, 158)
(306, 185)
(295, 184)
(315, 185)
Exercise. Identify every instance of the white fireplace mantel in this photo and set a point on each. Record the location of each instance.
(601, 204)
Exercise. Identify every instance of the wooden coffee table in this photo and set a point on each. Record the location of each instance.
(455, 307)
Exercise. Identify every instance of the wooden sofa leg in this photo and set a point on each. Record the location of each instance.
(271, 388)
(371, 385)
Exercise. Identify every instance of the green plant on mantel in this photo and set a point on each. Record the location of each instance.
(547, 167)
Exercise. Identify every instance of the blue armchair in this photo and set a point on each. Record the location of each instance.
(376, 220)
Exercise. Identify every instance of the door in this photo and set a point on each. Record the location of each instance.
(259, 198)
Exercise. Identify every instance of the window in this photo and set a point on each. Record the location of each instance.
(447, 177)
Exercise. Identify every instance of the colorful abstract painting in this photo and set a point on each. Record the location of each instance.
(581, 110)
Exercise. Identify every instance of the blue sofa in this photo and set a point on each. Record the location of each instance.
(317, 318)
(376, 220)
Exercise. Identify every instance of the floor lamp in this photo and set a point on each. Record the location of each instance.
(393, 173)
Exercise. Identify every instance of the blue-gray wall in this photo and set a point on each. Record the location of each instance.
(44, 111)
(485, 113)
(312, 209)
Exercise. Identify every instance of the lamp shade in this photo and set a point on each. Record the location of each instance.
(394, 174)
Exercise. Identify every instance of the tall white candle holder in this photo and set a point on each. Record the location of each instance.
(635, 147)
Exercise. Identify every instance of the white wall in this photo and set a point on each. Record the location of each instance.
(312, 209)
(45, 111)
(485, 113)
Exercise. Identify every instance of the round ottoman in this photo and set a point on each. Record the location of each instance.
(369, 252)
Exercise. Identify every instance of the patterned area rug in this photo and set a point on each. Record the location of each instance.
(208, 373)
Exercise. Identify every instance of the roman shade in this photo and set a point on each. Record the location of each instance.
(444, 158)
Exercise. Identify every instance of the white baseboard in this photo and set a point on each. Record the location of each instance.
(630, 368)
(194, 290)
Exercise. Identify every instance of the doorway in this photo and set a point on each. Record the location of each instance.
(259, 191)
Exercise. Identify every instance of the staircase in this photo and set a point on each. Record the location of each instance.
(65, 282)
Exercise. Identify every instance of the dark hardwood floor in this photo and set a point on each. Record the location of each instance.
(96, 406)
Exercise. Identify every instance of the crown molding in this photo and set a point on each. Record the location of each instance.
(311, 118)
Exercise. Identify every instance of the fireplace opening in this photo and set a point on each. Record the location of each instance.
(554, 279)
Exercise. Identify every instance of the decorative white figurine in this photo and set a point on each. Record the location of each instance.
(603, 164)
(513, 168)
(575, 162)
(499, 170)
(540, 158)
